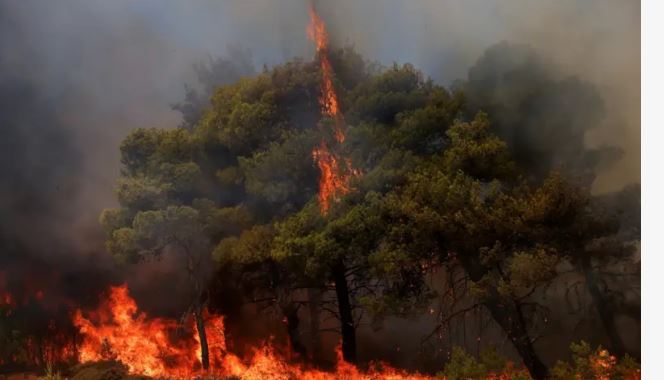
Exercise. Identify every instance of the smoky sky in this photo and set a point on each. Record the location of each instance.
(77, 75)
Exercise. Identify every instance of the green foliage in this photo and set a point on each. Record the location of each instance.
(113, 219)
(252, 113)
(153, 232)
(140, 193)
(350, 67)
(463, 366)
(589, 363)
(436, 187)
(219, 222)
(252, 246)
(384, 96)
(283, 173)
(123, 245)
(390, 172)
(216, 72)
(476, 152)
(144, 150)
(423, 129)
(137, 148)
(300, 244)
(489, 365)
(528, 268)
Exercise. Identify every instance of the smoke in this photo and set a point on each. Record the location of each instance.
(105, 67)
(77, 75)
(597, 41)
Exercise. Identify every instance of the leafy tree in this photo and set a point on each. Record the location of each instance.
(508, 235)
(478, 224)
(437, 189)
(602, 251)
(343, 250)
(313, 250)
(545, 116)
(163, 210)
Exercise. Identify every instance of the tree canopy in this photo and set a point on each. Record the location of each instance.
(442, 182)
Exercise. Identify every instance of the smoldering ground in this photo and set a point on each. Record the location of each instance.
(77, 75)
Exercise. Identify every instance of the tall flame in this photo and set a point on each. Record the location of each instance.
(117, 330)
(336, 171)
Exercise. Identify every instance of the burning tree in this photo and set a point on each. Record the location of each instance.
(280, 205)
(164, 211)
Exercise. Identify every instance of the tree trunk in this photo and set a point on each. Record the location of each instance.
(202, 337)
(604, 309)
(509, 317)
(348, 341)
(193, 267)
(293, 327)
(314, 323)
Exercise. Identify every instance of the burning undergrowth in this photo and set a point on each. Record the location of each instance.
(165, 348)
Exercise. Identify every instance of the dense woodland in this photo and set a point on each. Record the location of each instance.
(486, 184)
(470, 198)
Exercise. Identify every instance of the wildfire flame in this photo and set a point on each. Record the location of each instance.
(118, 330)
(336, 171)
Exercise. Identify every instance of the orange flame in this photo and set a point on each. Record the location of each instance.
(335, 176)
(336, 172)
(328, 100)
(152, 347)
(119, 331)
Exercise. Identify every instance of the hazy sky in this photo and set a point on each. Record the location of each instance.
(110, 66)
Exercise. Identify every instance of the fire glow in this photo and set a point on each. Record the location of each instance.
(336, 171)
(164, 348)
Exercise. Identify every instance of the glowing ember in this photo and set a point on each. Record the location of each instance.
(336, 172)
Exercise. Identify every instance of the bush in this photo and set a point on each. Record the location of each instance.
(595, 364)
(490, 363)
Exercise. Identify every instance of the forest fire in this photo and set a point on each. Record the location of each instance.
(117, 330)
(336, 171)
(165, 348)
(309, 209)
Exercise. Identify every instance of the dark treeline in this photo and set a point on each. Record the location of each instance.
(473, 199)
